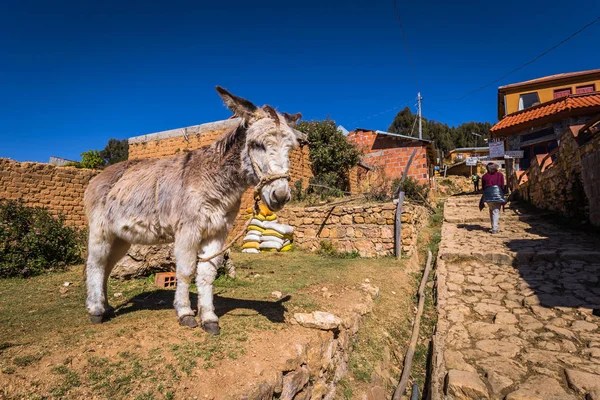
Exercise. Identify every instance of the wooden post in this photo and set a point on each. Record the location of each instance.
(398, 228)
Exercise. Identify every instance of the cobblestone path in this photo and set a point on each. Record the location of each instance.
(519, 312)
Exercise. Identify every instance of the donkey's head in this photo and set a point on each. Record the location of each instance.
(269, 138)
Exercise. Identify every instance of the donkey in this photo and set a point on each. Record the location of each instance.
(190, 200)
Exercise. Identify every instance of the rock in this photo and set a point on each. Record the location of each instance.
(503, 366)
(505, 318)
(319, 320)
(593, 395)
(543, 312)
(66, 284)
(568, 346)
(579, 326)
(294, 382)
(372, 290)
(498, 347)
(582, 382)
(455, 360)
(145, 260)
(263, 391)
(488, 309)
(592, 352)
(498, 382)
(540, 388)
(118, 294)
(484, 330)
(465, 385)
(530, 323)
(561, 331)
(277, 294)
(376, 393)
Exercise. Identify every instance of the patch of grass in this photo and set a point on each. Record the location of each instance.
(69, 379)
(24, 361)
(346, 388)
(8, 370)
(327, 249)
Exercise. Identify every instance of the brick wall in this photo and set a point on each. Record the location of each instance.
(368, 229)
(163, 144)
(391, 154)
(59, 189)
(566, 182)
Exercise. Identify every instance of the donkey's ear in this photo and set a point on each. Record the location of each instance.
(240, 107)
(292, 119)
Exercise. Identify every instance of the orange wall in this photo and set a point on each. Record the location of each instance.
(392, 154)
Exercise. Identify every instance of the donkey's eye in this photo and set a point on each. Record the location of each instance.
(259, 146)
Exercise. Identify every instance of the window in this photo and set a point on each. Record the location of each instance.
(585, 89)
(528, 99)
(558, 93)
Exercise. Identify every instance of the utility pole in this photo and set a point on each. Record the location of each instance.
(419, 98)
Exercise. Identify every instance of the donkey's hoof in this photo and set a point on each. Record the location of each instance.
(189, 321)
(211, 327)
(96, 319)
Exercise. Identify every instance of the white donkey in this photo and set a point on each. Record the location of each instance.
(190, 199)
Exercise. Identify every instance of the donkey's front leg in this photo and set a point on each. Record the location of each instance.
(186, 252)
(207, 271)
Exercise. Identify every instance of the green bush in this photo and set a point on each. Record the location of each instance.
(413, 190)
(331, 155)
(33, 241)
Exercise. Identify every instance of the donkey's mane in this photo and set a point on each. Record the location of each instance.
(226, 142)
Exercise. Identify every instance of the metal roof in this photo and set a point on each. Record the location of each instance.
(401, 136)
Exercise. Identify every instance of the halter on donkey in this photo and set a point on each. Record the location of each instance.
(191, 200)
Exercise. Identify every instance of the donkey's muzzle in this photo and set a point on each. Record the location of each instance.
(279, 195)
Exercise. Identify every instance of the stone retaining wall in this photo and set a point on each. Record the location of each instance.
(368, 229)
(567, 183)
(59, 189)
(314, 369)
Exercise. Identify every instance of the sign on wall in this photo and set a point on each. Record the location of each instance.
(513, 154)
(471, 161)
(496, 148)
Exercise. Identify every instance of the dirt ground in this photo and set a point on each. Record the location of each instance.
(48, 349)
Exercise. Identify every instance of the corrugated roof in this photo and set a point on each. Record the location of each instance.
(550, 78)
(547, 112)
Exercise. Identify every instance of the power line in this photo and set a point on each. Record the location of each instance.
(412, 66)
(380, 113)
(530, 61)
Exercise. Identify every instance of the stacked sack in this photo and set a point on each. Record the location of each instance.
(265, 234)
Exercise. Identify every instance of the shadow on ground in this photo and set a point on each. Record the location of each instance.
(158, 299)
(560, 262)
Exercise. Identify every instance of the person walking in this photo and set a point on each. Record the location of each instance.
(475, 179)
(493, 193)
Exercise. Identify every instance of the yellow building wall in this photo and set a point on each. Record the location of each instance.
(545, 94)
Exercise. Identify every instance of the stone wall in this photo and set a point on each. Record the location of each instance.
(368, 229)
(167, 143)
(567, 181)
(59, 189)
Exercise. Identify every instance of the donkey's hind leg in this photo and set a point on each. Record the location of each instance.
(103, 253)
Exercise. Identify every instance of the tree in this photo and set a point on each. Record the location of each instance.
(331, 155)
(91, 159)
(445, 137)
(115, 151)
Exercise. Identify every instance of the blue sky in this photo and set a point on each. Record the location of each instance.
(74, 74)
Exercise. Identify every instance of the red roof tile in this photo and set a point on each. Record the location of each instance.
(546, 112)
